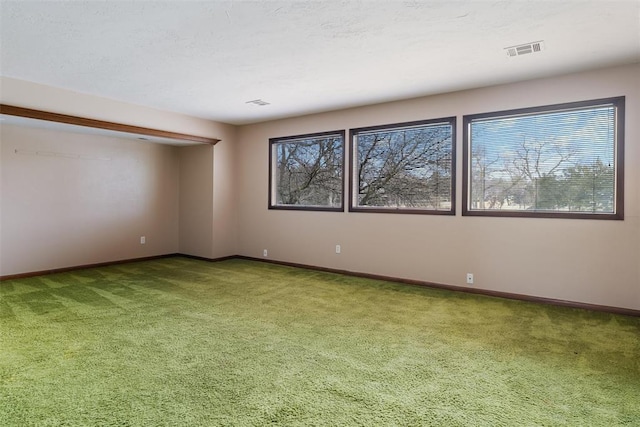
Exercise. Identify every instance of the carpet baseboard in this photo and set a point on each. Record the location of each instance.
(82, 267)
(486, 292)
(201, 258)
(413, 282)
(108, 263)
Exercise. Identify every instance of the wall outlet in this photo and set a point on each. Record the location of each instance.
(470, 278)
(264, 252)
(338, 249)
(143, 240)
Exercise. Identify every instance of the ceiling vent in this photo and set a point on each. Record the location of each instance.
(525, 49)
(259, 102)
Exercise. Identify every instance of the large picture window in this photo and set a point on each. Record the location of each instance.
(306, 172)
(553, 161)
(407, 168)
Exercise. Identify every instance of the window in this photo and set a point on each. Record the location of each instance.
(306, 172)
(559, 161)
(407, 167)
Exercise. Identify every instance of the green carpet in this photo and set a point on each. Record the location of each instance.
(180, 342)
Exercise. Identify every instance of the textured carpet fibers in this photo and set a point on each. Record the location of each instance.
(180, 342)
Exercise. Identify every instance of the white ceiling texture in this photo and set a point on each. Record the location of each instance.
(208, 58)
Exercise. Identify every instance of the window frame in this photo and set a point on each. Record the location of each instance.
(353, 207)
(619, 124)
(272, 190)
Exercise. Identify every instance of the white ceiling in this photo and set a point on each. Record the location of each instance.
(208, 58)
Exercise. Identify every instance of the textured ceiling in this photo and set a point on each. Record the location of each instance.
(206, 59)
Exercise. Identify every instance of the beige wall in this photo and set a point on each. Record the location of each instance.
(208, 226)
(88, 199)
(586, 261)
(72, 199)
(196, 200)
(225, 220)
(202, 222)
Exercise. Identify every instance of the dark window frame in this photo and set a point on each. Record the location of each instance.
(273, 141)
(617, 102)
(452, 120)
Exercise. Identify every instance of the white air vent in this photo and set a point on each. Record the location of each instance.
(524, 49)
(259, 102)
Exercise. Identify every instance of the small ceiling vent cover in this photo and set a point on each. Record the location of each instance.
(258, 102)
(524, 49)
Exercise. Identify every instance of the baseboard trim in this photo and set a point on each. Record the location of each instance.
(201, 258)
(108, 263)
(485, 292)
(83, 266)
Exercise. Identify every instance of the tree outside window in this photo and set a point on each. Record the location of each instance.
(306, 172)
(555, 161)
(404, 167)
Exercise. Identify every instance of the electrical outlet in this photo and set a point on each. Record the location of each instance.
(143, 240)
(338, 249)
(264, 252)
(470, 278)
